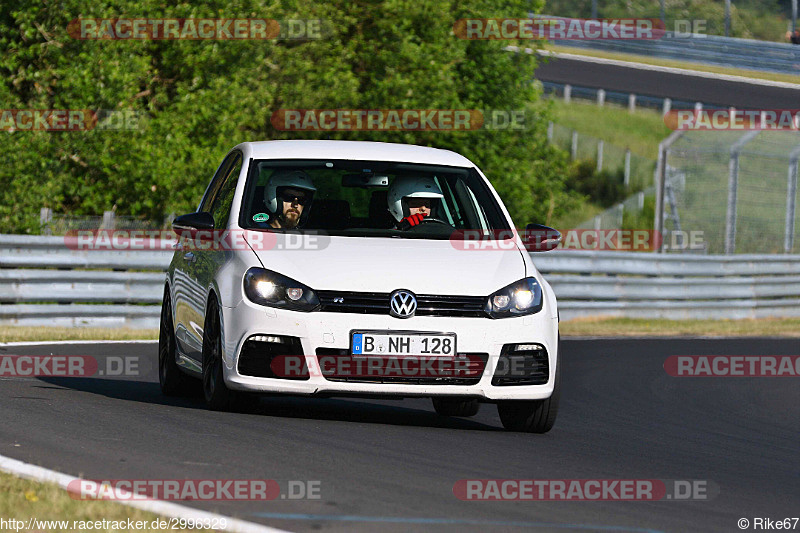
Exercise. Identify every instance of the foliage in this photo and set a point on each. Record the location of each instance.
(605, 188)
(197, 99)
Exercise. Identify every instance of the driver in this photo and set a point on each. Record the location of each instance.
(412, 199)
(287, 197)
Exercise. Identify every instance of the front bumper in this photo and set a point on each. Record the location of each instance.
(332, 331)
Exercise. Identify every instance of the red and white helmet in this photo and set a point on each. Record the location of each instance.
(403, 187)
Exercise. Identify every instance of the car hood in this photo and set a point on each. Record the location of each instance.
(368, 264)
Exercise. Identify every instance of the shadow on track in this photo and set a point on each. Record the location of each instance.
(281, 406)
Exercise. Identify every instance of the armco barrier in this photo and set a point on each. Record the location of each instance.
(42, 282)
(730, 52)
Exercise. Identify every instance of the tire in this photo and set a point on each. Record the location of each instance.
(217, 395)
(173, 382)
(456, 407)
(533, 416)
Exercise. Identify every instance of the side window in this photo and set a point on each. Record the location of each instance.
(221, 204)
(216, 183)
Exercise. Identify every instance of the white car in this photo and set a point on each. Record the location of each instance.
(340, 268)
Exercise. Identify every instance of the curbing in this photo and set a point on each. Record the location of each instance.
(172, 510)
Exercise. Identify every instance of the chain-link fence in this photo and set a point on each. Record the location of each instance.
(738, 188)
(637, 171)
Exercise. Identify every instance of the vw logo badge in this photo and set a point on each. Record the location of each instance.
(402, 304)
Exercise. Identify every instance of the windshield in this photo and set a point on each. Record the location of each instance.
(368, 198)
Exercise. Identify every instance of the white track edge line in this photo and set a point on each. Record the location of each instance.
(660, 68)
(173, 510)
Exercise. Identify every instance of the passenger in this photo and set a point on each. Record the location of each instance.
(412, 199)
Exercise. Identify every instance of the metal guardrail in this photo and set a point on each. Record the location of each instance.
(44, 283)
(731, 52)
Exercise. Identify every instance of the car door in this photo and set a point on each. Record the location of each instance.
(190, 293)
(211, 259)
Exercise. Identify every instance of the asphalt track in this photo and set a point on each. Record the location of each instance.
(392, 464)
(690, 88)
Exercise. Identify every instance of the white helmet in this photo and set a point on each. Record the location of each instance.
(286, 178)
(410, 188)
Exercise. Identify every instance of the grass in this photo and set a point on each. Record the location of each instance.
(22, 499)
(640, 327)
(674, 63)
(45, 333)
(641, 132)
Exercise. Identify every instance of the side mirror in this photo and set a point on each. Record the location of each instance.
(188, 225)
(193, 221)
(539, 238)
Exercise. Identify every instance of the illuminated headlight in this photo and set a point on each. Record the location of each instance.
(265, 287)
(523, 297)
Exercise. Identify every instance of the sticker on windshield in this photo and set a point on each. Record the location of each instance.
(260, 217)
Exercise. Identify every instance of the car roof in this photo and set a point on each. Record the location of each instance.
(359, 150)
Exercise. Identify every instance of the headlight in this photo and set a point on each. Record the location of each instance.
(523, 297)
(269, 288)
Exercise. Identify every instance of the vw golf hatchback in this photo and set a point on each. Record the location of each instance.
(339, 268)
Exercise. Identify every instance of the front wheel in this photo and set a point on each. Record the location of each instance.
(456, 407)
(173, 382)
(217, 395)
(532, 416)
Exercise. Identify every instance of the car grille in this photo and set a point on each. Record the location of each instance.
(473, 367)
(377, 303)
(529, 367)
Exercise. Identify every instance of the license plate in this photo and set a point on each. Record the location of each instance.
(387, 343)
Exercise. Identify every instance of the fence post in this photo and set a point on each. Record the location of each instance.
(598, 222)
(620, 215)
(698, 107)
(733, 186)
(600, 155)
(667, 106)
(631, 103)
(627, 172)
(168, 220)
(550, 131)
(574, 147)
(661, 180)
(108, 220)
(567, 93)
(45, 218)
(601, 97)
(640, 200)
(791, 200)
(727, 18)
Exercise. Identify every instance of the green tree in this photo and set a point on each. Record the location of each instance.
(197, 99)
